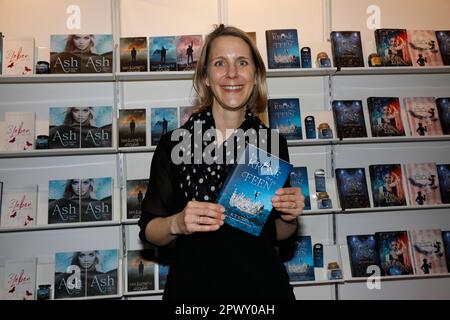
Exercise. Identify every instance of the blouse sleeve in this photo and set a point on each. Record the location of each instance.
(159, 200)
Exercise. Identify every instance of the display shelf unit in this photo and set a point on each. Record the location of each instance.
(57, 78)
(394, 209)
(75, 225)
(391, 71)
(56, 152)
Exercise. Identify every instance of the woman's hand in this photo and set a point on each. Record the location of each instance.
(290, 202)
(198, 217)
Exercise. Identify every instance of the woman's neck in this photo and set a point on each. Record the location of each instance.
(226, 119)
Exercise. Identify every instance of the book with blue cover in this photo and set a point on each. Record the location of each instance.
(443, 105)
(352, 188)
(299, 179)
(443, 171)
(443, 38)
(300, 267)
(347, 49)
(363, 253)
(162, 120)
(282, 49)
(249, 188)
(446, 239)
(285, 115)
(163, 53)
(349, 118)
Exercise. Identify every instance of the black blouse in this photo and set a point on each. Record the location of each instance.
(225, 264)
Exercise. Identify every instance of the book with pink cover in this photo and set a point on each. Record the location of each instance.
(423, 116)
(423, 184)
(427, 247)
(424, 48)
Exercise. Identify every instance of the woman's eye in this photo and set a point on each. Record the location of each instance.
(219, 63)
(243, 63)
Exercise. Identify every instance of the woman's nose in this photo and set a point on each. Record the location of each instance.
(231, 71)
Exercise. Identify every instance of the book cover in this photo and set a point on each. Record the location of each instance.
(385, 117)
(443, 105)
(19, 206)
(96, 199)
(424, 48)
(136, 190)
(282, 49)
(162, 120)
(163, 271)
(86, 274)
(133, 54)
(19, 131)
(392, 47)
(387, 185)
(188, 51)
(285, 115)
(299, 179)
(352, 188)
(349, 118)
(423, 184)
(20, 279)
(96, 130)
(163, 53)
(395, 256)
(1, 52)
(446, 239)
(428, 251)
(423, 116)
(443, 171)
(363, 253)
(300, 267)
(141, 270)
(185, 114)
(132, 128)
(64, 127)
(249, 188)
(64, 201)
(443, 38)
(18, 57)
(81, 53)
(347, 49)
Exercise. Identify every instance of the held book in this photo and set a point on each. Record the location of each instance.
(249, 188)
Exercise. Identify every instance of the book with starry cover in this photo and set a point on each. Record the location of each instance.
(249, 188)
(363, 253)
(352, 188)
(349, 118)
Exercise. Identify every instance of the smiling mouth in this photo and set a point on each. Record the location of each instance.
(232, 87)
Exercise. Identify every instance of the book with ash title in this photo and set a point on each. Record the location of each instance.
(423, 116)
(387, 185)
(443, 105)
(349, 118)
(19, 207)
(282, 49)
(87, 273)
(19, 131)
(163, 53)
(80, 200)
(428, 251)
(132, 128)
(347, 49)
(81, 53)
(133, 54)
(423, 184)
(18, 57)
(443, 37)
(20, 279)
(385, 117)
(363, 253)
(352, 188)
(249, 188)
(443, 171)
(300, 266)
(285, 115)
(135, 195)
(141, 267)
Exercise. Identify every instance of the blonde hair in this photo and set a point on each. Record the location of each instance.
(258, 100)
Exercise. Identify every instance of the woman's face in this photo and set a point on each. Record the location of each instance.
(231, 71)
(87, 259)
(81, 187)
(82, 41)
(81, 115)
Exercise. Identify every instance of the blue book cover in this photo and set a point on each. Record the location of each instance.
(96, 201)
(443, 171)
(64, 201)
(141, 270)
(301, 266)
(394, 253)
(285, 115)
(349, 118)
(347, 49)
(282, 49)
(249, 188)
(443, 105)
(162, 120)
(163, 271)
(96, 132)
(86, 273)
(446, 239)
(163, 53)
(443, 38)
(299, 179)
(352, 188)
(363, 253)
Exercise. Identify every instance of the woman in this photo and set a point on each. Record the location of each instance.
(80, 43)
(79, 116)
(212, 260)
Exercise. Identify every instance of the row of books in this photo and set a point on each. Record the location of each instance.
(93, 53)
(418, 252)
(394, 185)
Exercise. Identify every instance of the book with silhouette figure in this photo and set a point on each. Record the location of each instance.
(428, 252)
(132, 128)
(249, 188)
(423, 116)
(423, 184)
(424, 48)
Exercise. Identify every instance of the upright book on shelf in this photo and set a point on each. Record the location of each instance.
(132, 128)
(392, 47)
(163, 53)
(19, 131)
(18, 57)
(141, 265)
(1, 52)
(282, 49)
(135, 195)
(423, 116)
(133, 54)
(352, 188)
(349, 118)
(19, 207)
(20, 279)
(443, 171)
(188, 51)
(423, 184)
(446, 239)
(443, 105)
(428, 251)
(300, 266)
(162, 120)
(387, 185)
(385, 117)
(395, 254)
(363, 253)
(347, 49)
(443, 37)
(424, 48)
(249, 188)
(285, 115)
